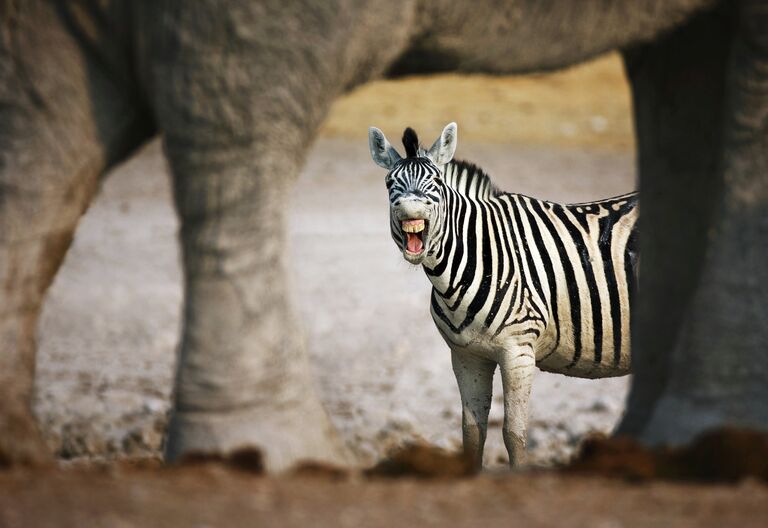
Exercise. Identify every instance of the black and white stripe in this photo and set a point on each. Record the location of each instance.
(559, 278)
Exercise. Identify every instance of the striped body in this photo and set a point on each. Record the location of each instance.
(516, 282)
(513, 271)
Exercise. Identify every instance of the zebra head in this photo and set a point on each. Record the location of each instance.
(415, 189)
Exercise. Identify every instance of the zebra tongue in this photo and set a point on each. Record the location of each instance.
(414, 244)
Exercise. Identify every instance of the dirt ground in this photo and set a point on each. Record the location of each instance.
(110, 327)
(215, 496)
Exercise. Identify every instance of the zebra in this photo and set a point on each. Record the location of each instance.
(516, 282)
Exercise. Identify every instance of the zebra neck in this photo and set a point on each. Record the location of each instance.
(465, 250)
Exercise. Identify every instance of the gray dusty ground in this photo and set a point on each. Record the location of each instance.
(109, 329)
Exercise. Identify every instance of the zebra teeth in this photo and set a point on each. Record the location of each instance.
(412, 226)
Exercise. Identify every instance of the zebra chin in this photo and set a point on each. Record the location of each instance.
(415, 252)
(415, 258)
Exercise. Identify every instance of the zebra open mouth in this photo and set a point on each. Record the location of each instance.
(415, 231)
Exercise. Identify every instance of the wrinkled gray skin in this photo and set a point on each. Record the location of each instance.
(238, 90)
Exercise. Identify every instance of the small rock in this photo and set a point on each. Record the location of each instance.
(154, 406)
(600, 405)
(598, 123)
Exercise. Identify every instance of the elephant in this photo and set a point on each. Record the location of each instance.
(238, 89)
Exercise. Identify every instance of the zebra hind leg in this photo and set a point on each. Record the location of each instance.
(517, 378)
(475, 378)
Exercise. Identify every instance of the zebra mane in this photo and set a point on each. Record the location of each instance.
(411, 143)
(469, 179)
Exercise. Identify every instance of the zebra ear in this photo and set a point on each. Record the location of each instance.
(381, 151)
(445, 146)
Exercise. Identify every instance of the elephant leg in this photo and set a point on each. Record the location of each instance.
(678, 108)
(700, 343)
(718, 365)
(236, 129)
(242, 376)
(517, 379)
(474, 376)
(55, 141)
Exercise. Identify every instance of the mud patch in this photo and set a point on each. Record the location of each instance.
(320, 470)
(423, 461)
(248, 460)
(720, 455)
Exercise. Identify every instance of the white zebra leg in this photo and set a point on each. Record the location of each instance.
(475, 378)
(517, 370)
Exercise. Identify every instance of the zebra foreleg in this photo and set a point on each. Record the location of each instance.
(516, 377)
(475, 378)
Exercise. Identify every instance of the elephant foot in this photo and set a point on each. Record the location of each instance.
(20, 441)
(678, 420)
(284, 437)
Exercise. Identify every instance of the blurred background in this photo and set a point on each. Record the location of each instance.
(585, 106)
(110, 326)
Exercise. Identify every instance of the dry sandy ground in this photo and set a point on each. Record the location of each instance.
(110, 326)
(213, 496)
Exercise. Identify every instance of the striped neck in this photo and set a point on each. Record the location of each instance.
(466, 192)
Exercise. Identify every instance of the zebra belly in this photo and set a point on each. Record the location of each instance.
(476, 343)
(552, 354)
(584, 347)
(479, 340)
(560, 360)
